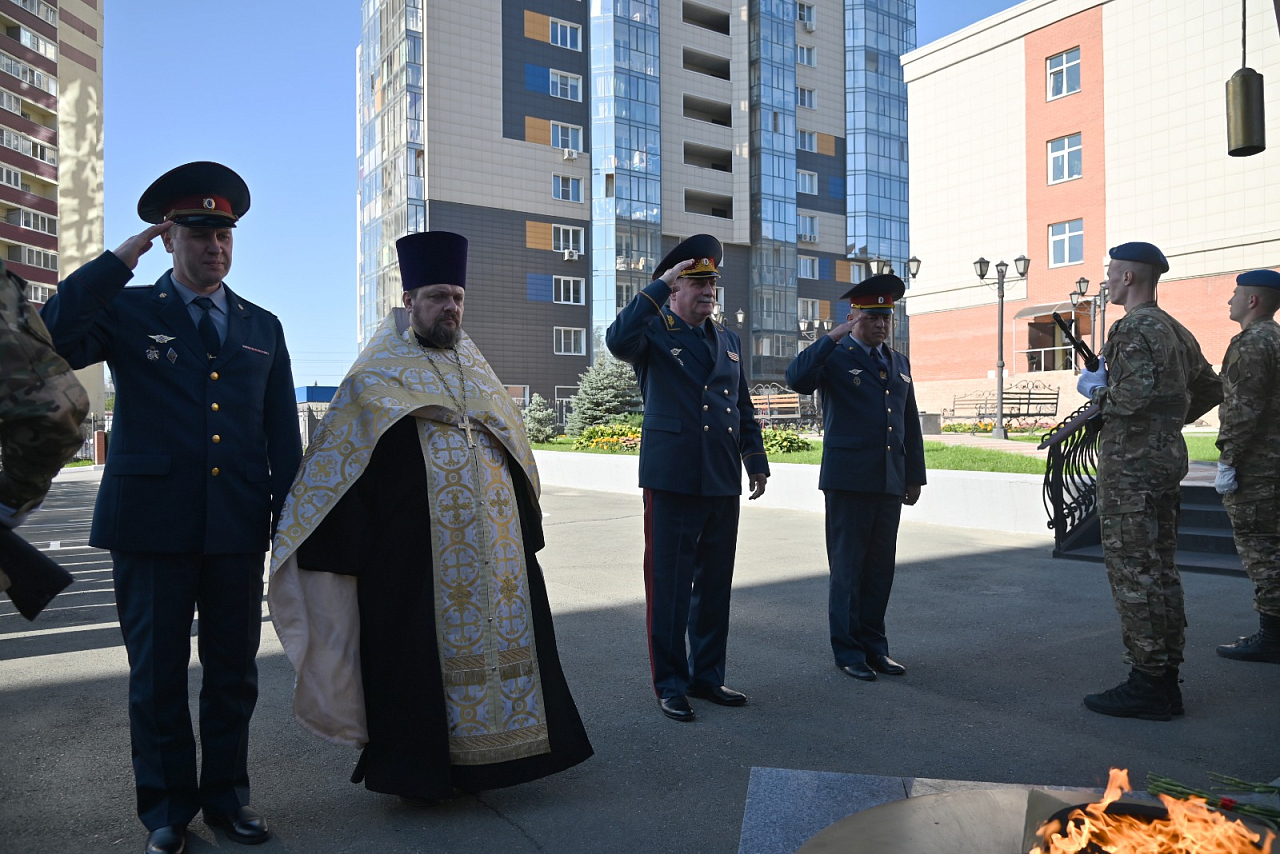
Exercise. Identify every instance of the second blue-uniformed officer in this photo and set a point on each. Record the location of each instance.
(699, 431)
(204, 446)
(872, 464)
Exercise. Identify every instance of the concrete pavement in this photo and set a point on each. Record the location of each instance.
(1001, 642)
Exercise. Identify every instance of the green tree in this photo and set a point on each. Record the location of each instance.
(606, 393)
(539, 420)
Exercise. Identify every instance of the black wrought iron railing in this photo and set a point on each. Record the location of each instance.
(1070, 479)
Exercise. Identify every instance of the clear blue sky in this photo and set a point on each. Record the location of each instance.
(268, 88)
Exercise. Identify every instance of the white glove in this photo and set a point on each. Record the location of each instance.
(1225, 482)
(1090, 380)
(11, 518)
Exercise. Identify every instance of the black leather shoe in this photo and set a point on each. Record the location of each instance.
(886, 665)
(860, 671)
(243, 825)
(676, 708)
(167, 840)
(718, 694)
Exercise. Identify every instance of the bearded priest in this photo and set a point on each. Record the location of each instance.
(404, 583)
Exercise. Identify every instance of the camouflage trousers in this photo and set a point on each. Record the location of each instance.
(1255, 518)
(1139, 540)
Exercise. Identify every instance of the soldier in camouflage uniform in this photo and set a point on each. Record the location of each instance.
(41, 406)
(1249, 439)
(1152, 380)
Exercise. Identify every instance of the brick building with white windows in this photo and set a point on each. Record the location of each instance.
(1059, 128)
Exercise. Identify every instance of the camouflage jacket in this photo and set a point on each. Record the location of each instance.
(1249, 435)
(1157, 381)
(41, 402)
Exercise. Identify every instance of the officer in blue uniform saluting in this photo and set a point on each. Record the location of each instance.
(699, 431)
(872, 464)
(204, 446)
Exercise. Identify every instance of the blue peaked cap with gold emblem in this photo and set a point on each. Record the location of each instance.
(198, 195)
(1259, 279)
(703, 249)
(877, 294)
(1142, 253)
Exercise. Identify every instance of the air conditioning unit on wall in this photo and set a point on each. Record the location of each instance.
(571, 254)
(570, 154)
(808, 26)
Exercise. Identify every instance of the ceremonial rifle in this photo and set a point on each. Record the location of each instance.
(1091, 363)
(34, 579)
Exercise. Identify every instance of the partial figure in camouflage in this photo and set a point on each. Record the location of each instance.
(1249, 468)
(1153, 380)
(41, 404)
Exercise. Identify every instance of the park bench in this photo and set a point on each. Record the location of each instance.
(1026, 401)
(771, 408)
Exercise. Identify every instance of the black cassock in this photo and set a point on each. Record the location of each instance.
(380, 532)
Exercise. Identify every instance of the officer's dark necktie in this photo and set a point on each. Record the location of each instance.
(208, 332)
(701, 333)
(877, 356)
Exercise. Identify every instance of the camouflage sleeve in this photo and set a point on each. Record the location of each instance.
(1246, 378)
(1131, 375)
(41, 402)
(1205, 387)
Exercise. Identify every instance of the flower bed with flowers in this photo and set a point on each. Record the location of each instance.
(613, 438)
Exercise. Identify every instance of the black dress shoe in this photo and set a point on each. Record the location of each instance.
(167, 840)
(886, 665)
(718, 694)
(860, 671)
(676, 708)
(243, 825)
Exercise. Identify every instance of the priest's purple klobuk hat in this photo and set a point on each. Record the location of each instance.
(432, 258)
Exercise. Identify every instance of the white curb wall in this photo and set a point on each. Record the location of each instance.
(966, 499)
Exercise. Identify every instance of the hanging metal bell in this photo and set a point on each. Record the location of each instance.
(1246, 121)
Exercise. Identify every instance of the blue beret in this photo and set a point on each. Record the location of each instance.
(1259, 279)
(432, 258)
(1143, 253)
(876, 294)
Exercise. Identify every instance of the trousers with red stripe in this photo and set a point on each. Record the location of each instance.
(689, 547)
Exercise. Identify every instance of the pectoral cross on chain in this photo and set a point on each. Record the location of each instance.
(466, 426)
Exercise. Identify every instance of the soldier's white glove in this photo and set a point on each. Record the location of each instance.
(1090, 380)
(1225, 482)
(11, 518)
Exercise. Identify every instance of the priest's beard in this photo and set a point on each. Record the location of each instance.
(443, 336)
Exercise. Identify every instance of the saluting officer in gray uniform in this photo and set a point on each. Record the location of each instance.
(872, 464)
(204, 446)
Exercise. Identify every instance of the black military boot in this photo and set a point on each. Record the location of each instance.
(1140, 696)
(1263, 646)
(1172, 692)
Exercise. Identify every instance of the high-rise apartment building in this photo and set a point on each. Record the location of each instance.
(51, 159)
(574, 143)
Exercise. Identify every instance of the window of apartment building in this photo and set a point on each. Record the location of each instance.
(13, 178)
(566, 188)
(566, 237)
(1064, 73)
(566, 35)
(27, 74)
(806, 140)
(805, 98)
(569, 291)
(805, 55)
(39, 293)
(34, 257)
(807, 309)
(804, 15)
(566, 136)
(570, 342)
(807, 228)
(567, 86)
(1066, 243)
(10, 102)
(26, 146)
(41, 9)
(808, 267)
(1065, 155)
(33, 221)
(31, 41)
(720, 297)
(806, 181)
(519, 393)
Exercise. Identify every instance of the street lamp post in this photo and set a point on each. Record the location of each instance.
(1021, 264)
